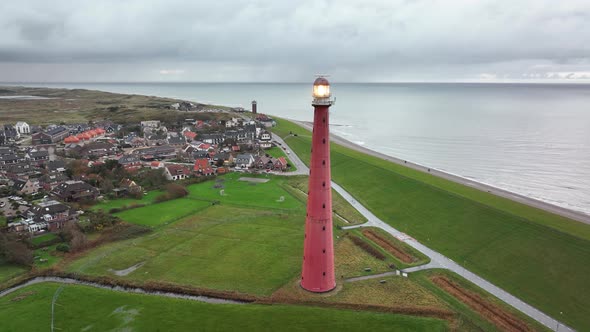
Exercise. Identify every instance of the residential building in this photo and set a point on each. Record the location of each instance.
(175, 172)
(23, 128)
(73, 191)
(245, 160)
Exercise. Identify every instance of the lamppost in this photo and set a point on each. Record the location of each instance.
(317, 273)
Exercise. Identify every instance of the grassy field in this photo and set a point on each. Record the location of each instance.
(46, 257)
(244, 193)
(107, 205)
(162, 213)
(222, 247)
(538, 256)
(79, 105)
(9, 271)
(43, 238)
(471, 320)
(83, 308)
(392, 259)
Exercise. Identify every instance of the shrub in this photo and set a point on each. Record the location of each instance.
(63, 247)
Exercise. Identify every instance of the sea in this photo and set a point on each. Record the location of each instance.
(531, 139)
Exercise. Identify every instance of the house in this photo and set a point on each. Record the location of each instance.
(280, 164)
(265, 140)
(10, 134)
(245, 160)
(225, 157)
(150, 124)
(263, 162)
(156, 139)
(130, 186)
(190, 135)
(37, 157)
(73, 191)
(213, 138)
(92, 149)
(48, 215)
(51, 180)
(156, 152)
(175, 172)
(25, 186)
(10, 158)
(53, 135)
(130, 161)
(176, 140)
(202, 167)
(22, 128)
(56, 166)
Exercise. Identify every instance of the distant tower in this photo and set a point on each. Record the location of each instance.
(317, 274)
(254, 104)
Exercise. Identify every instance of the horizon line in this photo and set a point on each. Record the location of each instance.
(521, 81)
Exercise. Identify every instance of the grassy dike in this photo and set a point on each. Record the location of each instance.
(539, 257)
(82, 308)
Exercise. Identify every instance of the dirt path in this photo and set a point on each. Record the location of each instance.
(388, 246)
(505, 321)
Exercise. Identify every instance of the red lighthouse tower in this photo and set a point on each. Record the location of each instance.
(318, 252)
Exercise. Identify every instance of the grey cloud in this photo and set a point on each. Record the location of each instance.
(373, 39)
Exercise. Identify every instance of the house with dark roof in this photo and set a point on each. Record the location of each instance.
(130, 161)
(73, 191)
(53, 135)
(52, 179)
(37, 157)
(175, 172)
(245, 160)
(25, 186)
(49, 214)
(56, 166)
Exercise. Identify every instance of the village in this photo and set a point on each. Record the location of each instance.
(50, 175)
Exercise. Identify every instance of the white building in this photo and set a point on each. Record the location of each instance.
(22, 127)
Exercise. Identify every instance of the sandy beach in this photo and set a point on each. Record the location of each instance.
(575, 215)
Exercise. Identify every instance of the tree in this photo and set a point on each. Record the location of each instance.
(72, 234)
(15, 251)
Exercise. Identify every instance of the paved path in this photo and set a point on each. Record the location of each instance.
(293, 157)
(438, 260)
(372, 276)
(575, 215)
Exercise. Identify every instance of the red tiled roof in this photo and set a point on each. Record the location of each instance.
(190, 134)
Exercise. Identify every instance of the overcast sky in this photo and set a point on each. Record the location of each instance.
(280, 40)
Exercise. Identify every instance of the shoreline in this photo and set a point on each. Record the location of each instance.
(552, 208)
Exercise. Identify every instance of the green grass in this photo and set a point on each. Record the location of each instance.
(43, 238)
(162, 213)
(82, 308)
(2, 221)
(537, 256)
(48, 254)
(420, 258)
(107, 205)
(243, 193)
(277, 152)
(472, 321)
(9, 271)
(297, 186)
(222, 247)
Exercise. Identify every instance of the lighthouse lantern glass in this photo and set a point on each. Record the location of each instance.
(321, 91)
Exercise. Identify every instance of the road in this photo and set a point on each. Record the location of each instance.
(575, 215)
(437, 260)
